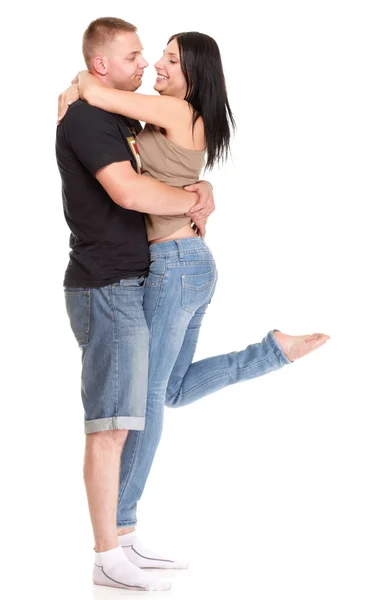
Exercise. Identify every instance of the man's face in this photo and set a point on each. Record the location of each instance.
(124, 62)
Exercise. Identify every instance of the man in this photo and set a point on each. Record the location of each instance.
(104, 200)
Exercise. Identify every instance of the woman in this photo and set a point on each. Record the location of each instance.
(188, 125)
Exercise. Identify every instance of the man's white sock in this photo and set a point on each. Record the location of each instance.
(112, 568)
(145, 558)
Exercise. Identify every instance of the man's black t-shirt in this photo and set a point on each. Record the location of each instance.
(108, 243)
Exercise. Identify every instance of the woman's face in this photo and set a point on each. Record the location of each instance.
(170, 79)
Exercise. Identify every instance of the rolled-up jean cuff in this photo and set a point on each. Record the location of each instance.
(130, 423)
(277, 349)
(128, 523)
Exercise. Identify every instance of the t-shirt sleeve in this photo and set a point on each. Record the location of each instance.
(95, 137)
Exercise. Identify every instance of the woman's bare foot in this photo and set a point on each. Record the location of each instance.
(296, 346)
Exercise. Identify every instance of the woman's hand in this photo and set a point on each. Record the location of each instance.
(87, 83)
(65, 99)
(199, 226)
(82, 86)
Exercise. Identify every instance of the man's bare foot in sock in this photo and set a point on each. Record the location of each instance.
(296, 346)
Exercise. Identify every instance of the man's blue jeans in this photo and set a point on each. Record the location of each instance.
(179, 288)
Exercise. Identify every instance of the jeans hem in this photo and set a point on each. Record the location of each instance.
(131, 523)
(284, 360)
(110, 423)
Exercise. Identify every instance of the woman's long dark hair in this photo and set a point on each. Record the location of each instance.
(206, 91)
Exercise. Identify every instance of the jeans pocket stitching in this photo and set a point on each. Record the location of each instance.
(200, 287)
(186, 289)
(158, 278)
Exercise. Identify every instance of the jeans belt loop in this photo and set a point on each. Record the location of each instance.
(180, 249)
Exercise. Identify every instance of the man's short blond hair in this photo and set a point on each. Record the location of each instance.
(100, 32)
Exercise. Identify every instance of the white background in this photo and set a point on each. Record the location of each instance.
(269, 487)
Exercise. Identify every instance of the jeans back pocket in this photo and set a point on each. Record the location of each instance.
(78, 309)
(196, 289)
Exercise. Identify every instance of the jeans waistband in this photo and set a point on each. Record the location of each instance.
(180, 246)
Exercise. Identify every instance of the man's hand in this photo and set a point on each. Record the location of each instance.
(205, 205)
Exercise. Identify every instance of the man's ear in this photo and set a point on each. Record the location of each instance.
(100, 65)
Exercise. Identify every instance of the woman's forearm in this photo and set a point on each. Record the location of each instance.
(163, 111)
(108, 99)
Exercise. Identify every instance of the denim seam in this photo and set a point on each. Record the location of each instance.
(191, 263)
(274, 345)
(131, 471)
(198, 327)
(158, 301)
(126, 523)
(229, 373)
(116, 342)
(114, 425)
(175, 252)
(283, 359)
(89, 316)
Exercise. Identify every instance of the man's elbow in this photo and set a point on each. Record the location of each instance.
(132, 194)
(122, 187)
(127, 200)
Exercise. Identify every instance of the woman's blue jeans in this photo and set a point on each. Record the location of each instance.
(179, 288)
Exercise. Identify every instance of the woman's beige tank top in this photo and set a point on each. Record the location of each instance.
(171, 164)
